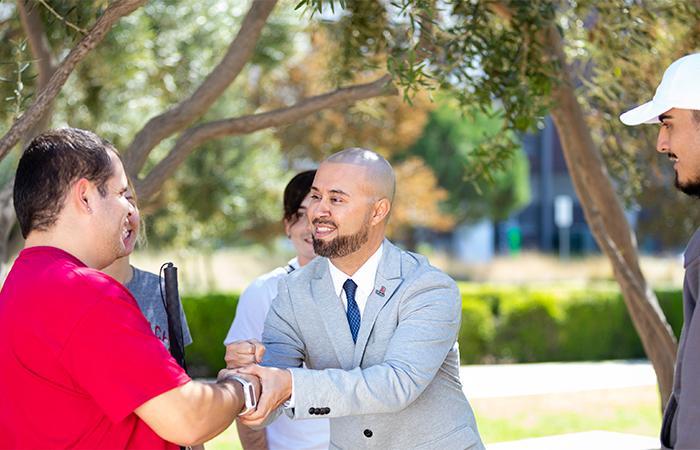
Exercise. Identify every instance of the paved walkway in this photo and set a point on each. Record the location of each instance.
(511, 380)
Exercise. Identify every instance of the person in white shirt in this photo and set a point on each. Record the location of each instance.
(252, 309)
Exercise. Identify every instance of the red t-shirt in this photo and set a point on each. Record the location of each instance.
(76, 358)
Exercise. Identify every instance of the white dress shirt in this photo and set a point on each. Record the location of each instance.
(363, 278)
(253, 305)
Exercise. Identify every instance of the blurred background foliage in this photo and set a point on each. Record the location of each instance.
(470, 86)
(229, 191)
(617, 51)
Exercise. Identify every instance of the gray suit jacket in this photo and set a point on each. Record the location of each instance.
(399, 386)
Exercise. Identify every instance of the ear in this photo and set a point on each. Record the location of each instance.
(81, 195)
(287, 227)
(381, 211)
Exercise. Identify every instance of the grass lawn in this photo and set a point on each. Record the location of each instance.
(228, 440)
(632, 410)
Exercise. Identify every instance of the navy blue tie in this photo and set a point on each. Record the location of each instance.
(353, 312)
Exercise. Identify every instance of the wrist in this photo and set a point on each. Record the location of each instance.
(233, 386)
(244, 392)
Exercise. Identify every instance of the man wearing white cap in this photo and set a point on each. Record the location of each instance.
(676, 106)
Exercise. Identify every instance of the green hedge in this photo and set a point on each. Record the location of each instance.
(477, 331)
(499, 324)
(528, 328)
(209, 318)
(554, 323)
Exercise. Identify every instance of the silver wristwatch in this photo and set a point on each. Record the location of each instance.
(248, 393)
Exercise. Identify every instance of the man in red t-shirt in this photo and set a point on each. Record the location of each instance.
(80, 366)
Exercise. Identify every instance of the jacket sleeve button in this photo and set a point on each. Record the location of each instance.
(312, 411)
(368, 433)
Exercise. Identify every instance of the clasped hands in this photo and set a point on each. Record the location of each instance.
(242, 358)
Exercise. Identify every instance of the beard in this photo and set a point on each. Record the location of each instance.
(691, 188)
(342, 245)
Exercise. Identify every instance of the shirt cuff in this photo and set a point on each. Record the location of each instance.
(289, 404)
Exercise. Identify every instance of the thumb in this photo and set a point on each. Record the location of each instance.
(252, 369)
(259, 350)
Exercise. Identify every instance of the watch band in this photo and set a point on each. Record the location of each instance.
(248, 393)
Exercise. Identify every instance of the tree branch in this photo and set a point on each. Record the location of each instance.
(7, 219)
(182, 115)
(38, 42)
(41, 103)
(501, 11)
(41, 51)
(426, 43)
(197, 135)
(61, 18)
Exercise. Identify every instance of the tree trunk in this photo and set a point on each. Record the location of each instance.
(43, 101)
(10, 240)
(41, 52)
(608, 223)
(43, 56)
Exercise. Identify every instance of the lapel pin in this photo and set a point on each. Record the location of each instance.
(381, 291)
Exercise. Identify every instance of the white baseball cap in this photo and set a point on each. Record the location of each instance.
(679, 88)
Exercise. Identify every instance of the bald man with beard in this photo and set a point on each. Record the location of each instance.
(374, 327)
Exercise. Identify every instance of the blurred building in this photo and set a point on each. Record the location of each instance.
(549, 178)
(534, 228)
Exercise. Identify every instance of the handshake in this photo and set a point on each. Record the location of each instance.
(272, 386)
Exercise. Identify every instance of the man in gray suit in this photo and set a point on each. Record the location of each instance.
(676, 108)
(375, 326)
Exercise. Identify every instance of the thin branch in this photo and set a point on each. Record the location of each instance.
(42, 101)
(63, 19)
(195, 136)
(426, 43)
(189, 110)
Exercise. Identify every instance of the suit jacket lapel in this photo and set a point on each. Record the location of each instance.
(333, 315)
(386, 282)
